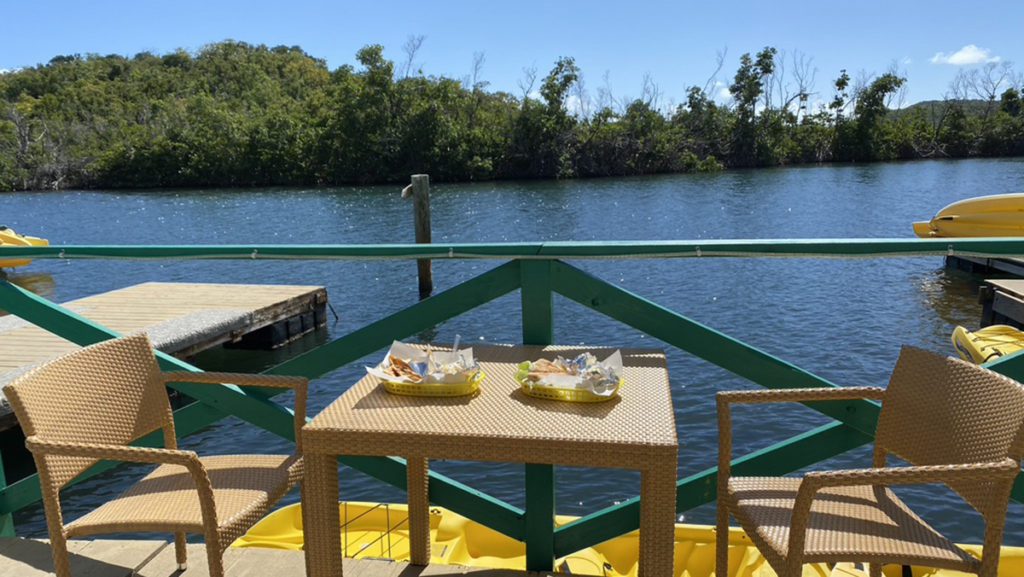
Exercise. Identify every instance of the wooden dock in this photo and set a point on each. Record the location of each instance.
(982, 265)
(1002, 302)
(110, 558)
(181, 319)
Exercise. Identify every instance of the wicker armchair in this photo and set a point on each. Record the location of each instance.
(954, 423)
(89, 405)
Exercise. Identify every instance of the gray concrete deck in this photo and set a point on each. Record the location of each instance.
(113, 558)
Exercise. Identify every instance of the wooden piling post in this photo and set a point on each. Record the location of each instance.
(420, 192)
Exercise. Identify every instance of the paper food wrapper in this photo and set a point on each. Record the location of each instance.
(429, 366)
(602, 380)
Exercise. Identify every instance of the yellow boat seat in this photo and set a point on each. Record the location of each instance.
(987, 344)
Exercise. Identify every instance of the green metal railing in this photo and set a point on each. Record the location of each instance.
(539, 271)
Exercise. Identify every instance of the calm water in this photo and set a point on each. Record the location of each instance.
(842, 319)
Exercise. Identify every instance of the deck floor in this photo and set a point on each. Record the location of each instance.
(115, 558)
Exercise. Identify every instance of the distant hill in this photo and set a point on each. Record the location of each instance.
(933, 109)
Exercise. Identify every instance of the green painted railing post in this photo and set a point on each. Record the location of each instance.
(6, 519)
(538, 302)
(538, 329)
(540, 517)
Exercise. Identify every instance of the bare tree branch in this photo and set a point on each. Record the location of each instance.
(527, 81)
(605, 96)
(478, 66)
(579, 91)
(650, 94)
(411, 47)
(719, 63)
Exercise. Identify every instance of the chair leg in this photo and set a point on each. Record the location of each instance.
(215, 559)
(59, 548)
(722, 541)
(214, 554)
(180, 552)
(874, 569)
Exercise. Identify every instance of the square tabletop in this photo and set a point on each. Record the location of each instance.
(500, 423)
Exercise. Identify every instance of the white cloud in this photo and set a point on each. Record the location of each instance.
(574, 105)
(722, 93)
(907, 61)
(5, 71)
(969, 54)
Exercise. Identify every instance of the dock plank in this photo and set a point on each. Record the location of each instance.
(102, 558)
(165, 564)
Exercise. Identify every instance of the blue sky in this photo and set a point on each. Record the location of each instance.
(674, 42)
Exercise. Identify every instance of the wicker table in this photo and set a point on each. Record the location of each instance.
(634, 431)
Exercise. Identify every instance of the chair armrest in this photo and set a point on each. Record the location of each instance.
(124, 453)
(241, 379)
(128, 454)
(801, 395)
(725, 398)
(299, 384)
(911, 475)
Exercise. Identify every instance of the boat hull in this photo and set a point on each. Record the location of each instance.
(456, 540)
(10, 238)
(985, 216)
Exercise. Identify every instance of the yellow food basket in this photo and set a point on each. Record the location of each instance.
(558, 393)
(435, 389)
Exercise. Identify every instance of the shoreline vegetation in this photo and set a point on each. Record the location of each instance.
(235, 114)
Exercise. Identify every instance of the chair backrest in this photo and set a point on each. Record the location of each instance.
(943, 411)
(109, 393)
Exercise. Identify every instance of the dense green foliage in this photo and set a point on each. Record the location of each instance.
(234, 114)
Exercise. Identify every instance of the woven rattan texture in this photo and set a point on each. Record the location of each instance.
(860, 523)
(941, 411)
(244, 487)
(109, 393)
(956, 423)
(500, 423)
(639, 423)
(90, 404)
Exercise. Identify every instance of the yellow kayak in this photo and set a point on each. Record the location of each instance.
(380, 530)
(988, 343)
(983, 216)
(10, 238)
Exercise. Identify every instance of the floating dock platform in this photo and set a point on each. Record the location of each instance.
(1002, 302)
(982, 265)
(181, 319)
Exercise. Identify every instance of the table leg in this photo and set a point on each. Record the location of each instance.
(320, 523)
(419, 511)
(657, 521)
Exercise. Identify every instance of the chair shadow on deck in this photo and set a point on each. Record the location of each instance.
(31, 558)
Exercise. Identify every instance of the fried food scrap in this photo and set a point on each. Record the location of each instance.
(399, 368)
(543, 367)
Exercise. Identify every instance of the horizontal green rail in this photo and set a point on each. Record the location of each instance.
(791, 248)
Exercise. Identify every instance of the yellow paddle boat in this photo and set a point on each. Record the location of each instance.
(987, 344)
(10, 238)
(983, 216)
(380, 530)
